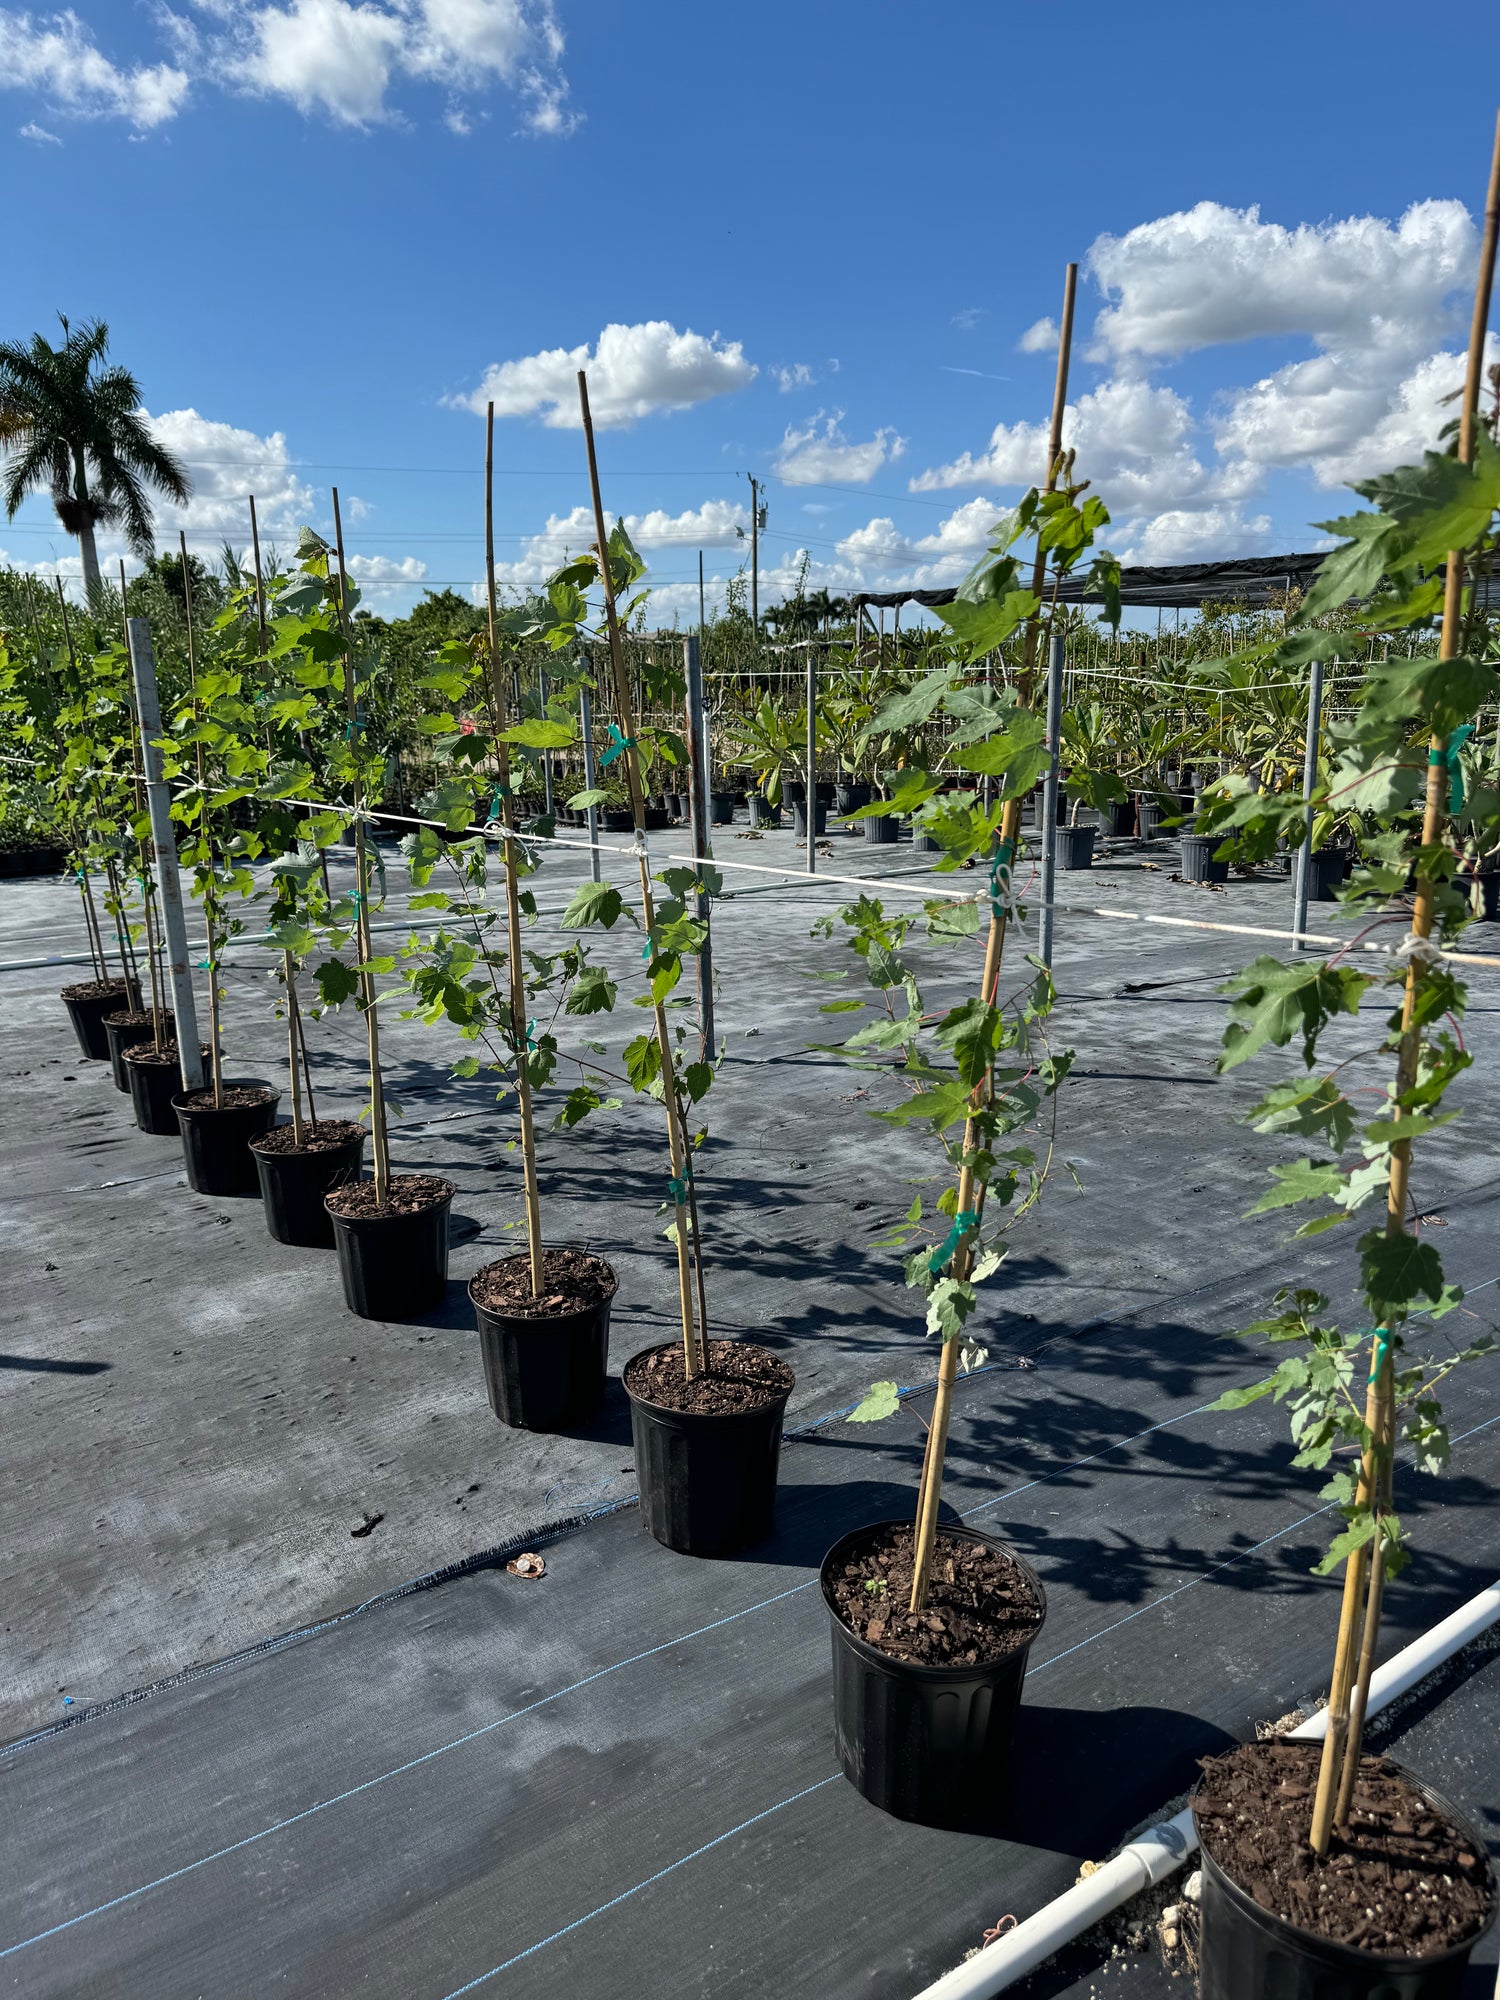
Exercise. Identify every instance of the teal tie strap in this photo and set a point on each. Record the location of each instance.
(1381, 1336)
(619, 743)
(1447, 759)
(679, 1184)
(501, 792)
(1004, 855)
(965, 1220)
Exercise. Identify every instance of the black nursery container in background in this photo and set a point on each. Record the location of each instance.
(216, 1137)
(1198, 863)
(393, 1262)
(707, 1482)
(544, 1370)
(123, 1031)
(1075, 847)
(295, 1179)
(87, 1005)
(154, 1077)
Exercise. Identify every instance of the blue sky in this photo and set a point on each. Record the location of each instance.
(828, 239)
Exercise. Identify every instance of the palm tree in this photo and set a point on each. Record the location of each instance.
(67, 419)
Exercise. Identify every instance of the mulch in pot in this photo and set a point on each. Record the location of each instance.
(740, 1376)
(166, 1055)
(572, 1280)
(409, 1195)
(1400, 1878)
(93, 989)
(127, 1018)
(980, 1604)
(234, 1097)
(326, 1136)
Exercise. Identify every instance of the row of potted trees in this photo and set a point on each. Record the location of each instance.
(931, 1623)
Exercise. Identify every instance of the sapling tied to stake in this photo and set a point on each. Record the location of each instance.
(1355, 1396)
(976, 1075)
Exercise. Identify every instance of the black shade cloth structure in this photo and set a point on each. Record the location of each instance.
(1255, 581)
(620, 1779)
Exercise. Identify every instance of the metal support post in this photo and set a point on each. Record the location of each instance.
(700, 799)
(546, 754)
(164, 854)
(1302, 866)
(585, 729)
(812, 760)
(1049, 796)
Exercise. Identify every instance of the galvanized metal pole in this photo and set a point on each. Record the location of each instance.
(164, 854)
(1049, 796)
(546, 754)
(700, 800)
(812, 768)
(585, 729)
(1302, 868)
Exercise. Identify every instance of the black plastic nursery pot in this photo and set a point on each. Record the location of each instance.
(87, 1005)
(849, 798)
(762, 812)
(721, 808)
(1488, 899)
(1122, 818)
(294, 1181)
(707, 1483)
(1147, 816)
(1198, 863)
(1075, 847)
(881, 829)
(216, 1141)
(799, 817)
(615, 819)
(923, 1742)
(544, 1371)
(393, 1265)
(1325, 871)
(154, 1080)
(1246, 1952)
(122, 1031)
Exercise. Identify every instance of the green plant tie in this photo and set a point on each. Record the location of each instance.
(1381, 1336)
(619, 742)
(679, 1184)
(1000, 861)
(501, 792)
(531, 1033)
(965, 1220)
(1447, 759)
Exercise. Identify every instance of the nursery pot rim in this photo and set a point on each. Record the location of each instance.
(660, 1410)
(391, 1214)
(931, 1670)
(186, 1110)
(542, 1320)
(1358, 1956)
(308, 1152)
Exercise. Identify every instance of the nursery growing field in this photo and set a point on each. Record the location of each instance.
(551, 1781)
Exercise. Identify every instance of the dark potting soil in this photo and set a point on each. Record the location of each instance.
(93, 989)
(1401, 1878)
(235, 1097)
(409, 1195)
(572, 1280)
(326, 1136)
(145, 1052)
(980, 1604)
(128, 1019)
(740, 1376)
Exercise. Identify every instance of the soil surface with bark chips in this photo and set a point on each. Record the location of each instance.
(572, 1281)
(740, 1376)
(980, 1606)
(1401, 1877)
(408, 1194)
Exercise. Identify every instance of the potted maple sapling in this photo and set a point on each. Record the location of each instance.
(391, 1231)
(932, 1625)
(542, 1312)
(705, 1414)
(1326, 1869)
(297, 658)
(214, 748)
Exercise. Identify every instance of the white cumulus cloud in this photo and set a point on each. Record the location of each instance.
(56, 58)
(1040, 337)
(226, 464)
(634, 371)
(815, 456)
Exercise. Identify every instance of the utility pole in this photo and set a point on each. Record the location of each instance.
(755, 555)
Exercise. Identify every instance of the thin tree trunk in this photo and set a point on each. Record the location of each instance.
(87, 546)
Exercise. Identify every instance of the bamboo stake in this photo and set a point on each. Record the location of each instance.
(380, 1146)
(215, 1026)
(519, 1033)
(1351, 1678)
(683, 1194)
(929, 1488)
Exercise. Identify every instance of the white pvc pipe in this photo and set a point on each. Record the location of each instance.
(1154, 1855)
